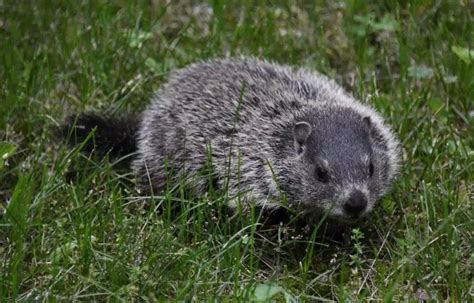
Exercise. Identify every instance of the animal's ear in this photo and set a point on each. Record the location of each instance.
(374, 134)
(301, 132)
(367, 122)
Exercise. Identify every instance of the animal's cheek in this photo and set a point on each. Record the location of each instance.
(371, 202)
(373, 197)
(324, 193)
(311, 194)
(374, 189)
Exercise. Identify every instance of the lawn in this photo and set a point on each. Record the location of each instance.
(72, 227)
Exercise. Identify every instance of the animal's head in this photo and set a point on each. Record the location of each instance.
(342, 161)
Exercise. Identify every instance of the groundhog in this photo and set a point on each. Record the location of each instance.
(267, 133)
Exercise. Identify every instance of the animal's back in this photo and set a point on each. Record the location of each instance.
(214, 91)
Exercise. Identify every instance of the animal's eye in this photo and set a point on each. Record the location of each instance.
(322, 175)
(371, 169)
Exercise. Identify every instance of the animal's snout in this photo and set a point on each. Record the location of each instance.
(356, 204)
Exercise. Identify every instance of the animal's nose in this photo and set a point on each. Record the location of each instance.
(356, 204)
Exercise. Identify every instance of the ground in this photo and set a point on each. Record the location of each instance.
(72, 227)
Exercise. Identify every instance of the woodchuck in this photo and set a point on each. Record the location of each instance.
(267, 133)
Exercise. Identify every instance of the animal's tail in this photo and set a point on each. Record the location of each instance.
(101, 135)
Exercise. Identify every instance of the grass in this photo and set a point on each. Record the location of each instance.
(73, 228)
